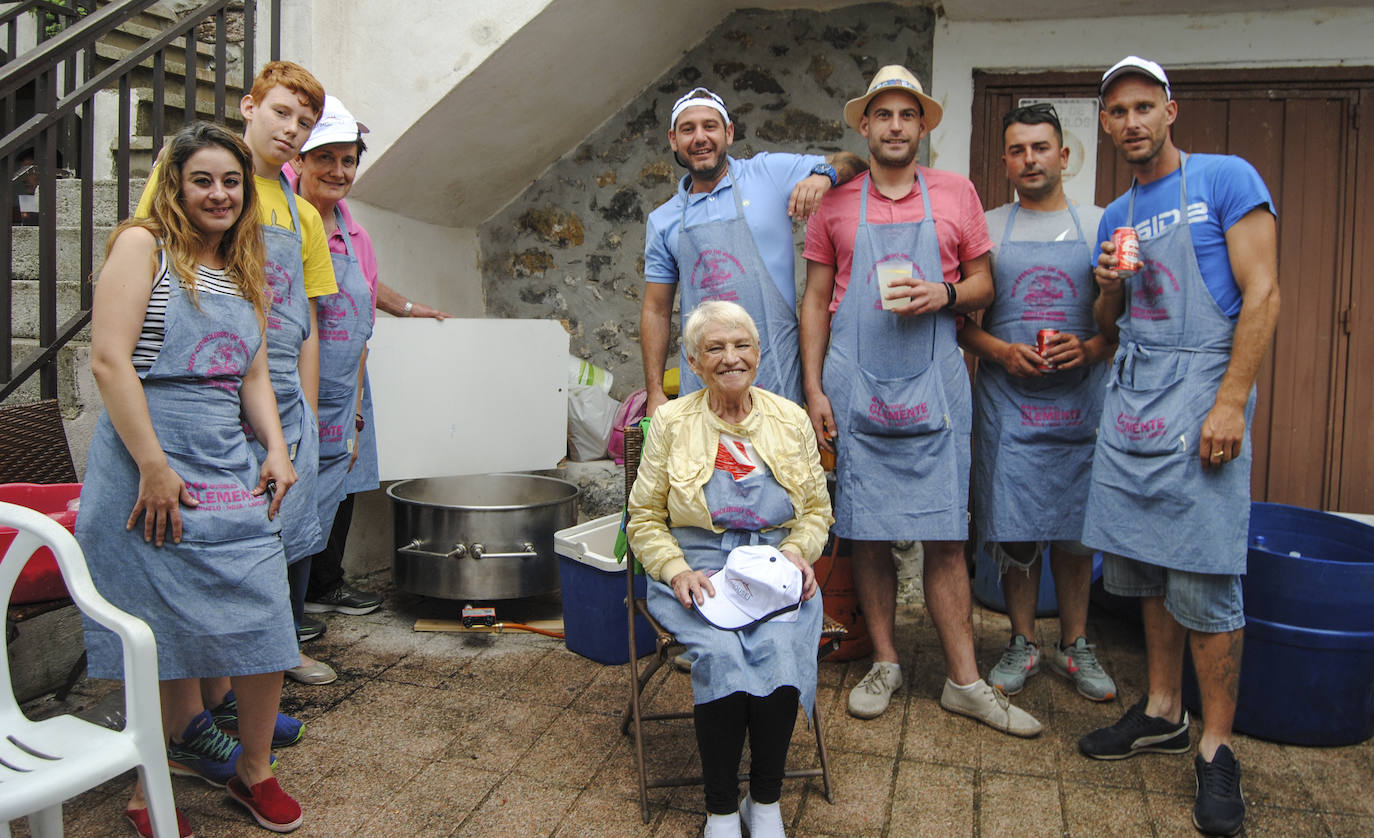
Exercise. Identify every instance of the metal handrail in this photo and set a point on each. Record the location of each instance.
(63, 115)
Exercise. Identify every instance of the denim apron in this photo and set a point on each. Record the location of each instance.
(364, 477)
(718, 260)
(288, 325)
(345, 324)
(1033, 448)
(217, 601)
(755, 660)
(899, 392)
(1150, 499)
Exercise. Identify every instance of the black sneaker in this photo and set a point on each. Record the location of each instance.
(344, 600)
(1220, 806)
(308, 629)
(1136, 733)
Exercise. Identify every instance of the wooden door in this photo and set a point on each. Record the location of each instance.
(1300, 129)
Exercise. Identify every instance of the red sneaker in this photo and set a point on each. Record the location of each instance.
(271, 807)
(143, 825)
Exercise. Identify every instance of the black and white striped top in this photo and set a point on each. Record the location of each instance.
(208, 281)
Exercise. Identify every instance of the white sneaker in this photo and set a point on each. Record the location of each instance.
(722, 826)
(989, 706)
(761, 820)
(870, 697)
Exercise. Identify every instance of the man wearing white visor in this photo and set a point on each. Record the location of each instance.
(727, 235)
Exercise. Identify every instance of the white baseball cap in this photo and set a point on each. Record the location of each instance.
(757, 584)
(1134, 65)
(336, 125)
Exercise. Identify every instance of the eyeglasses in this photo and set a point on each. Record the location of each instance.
(1031, 114)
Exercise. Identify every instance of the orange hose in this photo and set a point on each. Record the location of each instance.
(523, 627)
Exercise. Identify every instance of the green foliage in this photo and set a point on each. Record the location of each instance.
(55, 22)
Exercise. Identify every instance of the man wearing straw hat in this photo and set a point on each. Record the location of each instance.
(727, 235)
(892, 257)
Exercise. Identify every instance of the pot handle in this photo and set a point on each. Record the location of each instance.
(480, 552)
(413, 549)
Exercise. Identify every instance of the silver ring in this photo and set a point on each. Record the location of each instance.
(1217, 455)
(271, 487)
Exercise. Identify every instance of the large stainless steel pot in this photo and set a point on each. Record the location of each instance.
(484, 536)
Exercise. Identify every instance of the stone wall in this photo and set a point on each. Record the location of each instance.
(571, 246)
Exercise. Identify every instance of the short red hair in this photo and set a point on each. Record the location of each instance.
(294, 78)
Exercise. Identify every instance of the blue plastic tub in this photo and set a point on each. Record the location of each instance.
(595, 622)
(1307, 676)
(987, 583)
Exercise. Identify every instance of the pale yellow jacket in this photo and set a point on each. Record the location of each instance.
(679, 458)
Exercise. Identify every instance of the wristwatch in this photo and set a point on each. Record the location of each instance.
(408, 307)
(827, 170)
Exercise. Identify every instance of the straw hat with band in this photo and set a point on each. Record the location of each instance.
(894, 77)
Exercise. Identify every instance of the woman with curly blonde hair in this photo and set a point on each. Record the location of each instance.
(177, 518)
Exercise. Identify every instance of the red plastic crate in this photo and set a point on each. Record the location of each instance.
(40, 580)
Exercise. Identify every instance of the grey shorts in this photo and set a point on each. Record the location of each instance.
(1205, 602)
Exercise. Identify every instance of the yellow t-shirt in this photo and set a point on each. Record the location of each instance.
(319, 267)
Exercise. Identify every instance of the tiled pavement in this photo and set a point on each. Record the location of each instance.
(437, 734)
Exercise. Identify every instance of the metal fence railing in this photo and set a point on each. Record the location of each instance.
(47, 132)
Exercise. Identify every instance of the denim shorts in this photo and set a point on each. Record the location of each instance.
(1205, 602)
(1006, 561)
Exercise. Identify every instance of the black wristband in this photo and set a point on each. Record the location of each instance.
(953, 296)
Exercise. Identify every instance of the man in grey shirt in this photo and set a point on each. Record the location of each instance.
(1036, 411)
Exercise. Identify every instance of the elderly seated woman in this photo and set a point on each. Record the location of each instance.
(728, 466)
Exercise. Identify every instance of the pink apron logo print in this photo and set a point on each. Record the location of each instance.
(1050, 416)
(1136, 428)
(279, 280)
(713, 272)
(221, 358)
(897, 415)
(1148, 301)
(334, 313)
(739, 517)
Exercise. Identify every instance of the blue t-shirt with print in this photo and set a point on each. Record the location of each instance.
(1222, 189)
(765, 181)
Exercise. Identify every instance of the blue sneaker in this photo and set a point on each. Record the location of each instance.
(287, 731)
(204, 751)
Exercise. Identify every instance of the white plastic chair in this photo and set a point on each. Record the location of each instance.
(44, 763)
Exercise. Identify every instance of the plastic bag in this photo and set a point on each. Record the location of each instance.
(590, 415)
(631, 411)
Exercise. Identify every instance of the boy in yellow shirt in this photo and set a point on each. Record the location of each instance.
(279, 113)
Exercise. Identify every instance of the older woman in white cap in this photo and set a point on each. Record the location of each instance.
(323, 174)
(730, 470)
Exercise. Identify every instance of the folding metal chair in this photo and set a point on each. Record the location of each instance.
(832, 632)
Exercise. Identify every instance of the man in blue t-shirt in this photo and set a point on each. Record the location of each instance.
(727, 234)
(1169, 501)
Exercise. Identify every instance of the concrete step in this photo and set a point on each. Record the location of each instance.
(103, 200)
(174, 107)
(24, 259)
(73, 363)
(174, 66)
(24, 307)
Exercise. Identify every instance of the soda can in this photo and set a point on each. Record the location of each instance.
(1042, 344)
(1127, 249)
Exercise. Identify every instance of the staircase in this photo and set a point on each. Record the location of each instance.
(106, 92)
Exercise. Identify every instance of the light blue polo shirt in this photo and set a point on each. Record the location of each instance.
(765, 181)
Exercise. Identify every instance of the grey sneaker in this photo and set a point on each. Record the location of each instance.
(870, 697)
(989, 706)
(1078, 663)
(1020, 660)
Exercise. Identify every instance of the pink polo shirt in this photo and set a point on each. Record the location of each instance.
(362, 242)
(959, 223)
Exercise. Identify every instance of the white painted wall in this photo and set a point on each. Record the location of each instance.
(1321, 37)
(426, 262)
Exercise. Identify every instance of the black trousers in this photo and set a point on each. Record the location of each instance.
(326, 566)
(721, 726)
